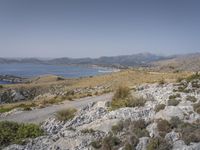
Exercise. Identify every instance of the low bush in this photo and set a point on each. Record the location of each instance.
(96, 144)
(123, 98)
(191, 98)
(128, 146)
(189, 132)
(87, 131)
(173, 102)
(183, 89)
(161, 82)
(164, 127)
(174, 96)
(65, 115)
(131, 143)
(132, 131)
(159, 107)
(122, 92)
(197, 107)
(138, 128)
(193, 77)
(110, 142)
(1, 86)
(3, 109)
(27, 107)
(175, 122)
(14, 133)
(158, 144)
(195, 84)
(118, 127)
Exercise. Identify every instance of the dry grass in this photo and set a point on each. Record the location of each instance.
(128, 77)
(65, 115)
(124, 98)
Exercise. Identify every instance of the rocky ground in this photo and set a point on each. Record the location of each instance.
(168, 120)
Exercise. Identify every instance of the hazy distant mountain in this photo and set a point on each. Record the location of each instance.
(20, 60)
(187, 62)
(125, 60)
(141, 59)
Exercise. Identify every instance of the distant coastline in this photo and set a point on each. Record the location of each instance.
(19, 73)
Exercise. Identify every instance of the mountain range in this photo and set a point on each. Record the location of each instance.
(141, 59)
(188, 62)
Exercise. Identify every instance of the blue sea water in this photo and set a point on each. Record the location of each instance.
(31, 70)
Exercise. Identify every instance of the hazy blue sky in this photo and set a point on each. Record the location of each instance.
(92, 28)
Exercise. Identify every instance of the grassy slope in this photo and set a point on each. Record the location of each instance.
(126, 77)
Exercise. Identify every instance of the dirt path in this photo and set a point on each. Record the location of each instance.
(39, 115)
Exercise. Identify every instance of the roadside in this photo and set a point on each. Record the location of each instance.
(39, 115)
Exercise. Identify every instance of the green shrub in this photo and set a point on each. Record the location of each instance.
(163, 127)
(158, 144)
(159, 107)
(28, 131)
(65, 115)
(11, 132)
(1, 86)
(191, 98)
(173, 102)
(3, 110)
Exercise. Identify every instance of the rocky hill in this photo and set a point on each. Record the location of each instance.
(189, 62)
(168, 118)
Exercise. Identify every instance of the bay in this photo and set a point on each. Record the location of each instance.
(32, 70)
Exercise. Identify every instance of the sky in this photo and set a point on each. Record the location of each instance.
(94, 28)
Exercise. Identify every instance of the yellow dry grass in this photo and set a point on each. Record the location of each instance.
(130, 77)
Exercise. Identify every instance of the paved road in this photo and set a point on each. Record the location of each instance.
(39, 115)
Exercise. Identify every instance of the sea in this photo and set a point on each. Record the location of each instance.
(32, 70)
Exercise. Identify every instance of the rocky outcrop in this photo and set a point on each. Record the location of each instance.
(12, 79)
(28, 93)
(95, 122)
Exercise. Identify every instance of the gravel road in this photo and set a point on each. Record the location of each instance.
(39, 115)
